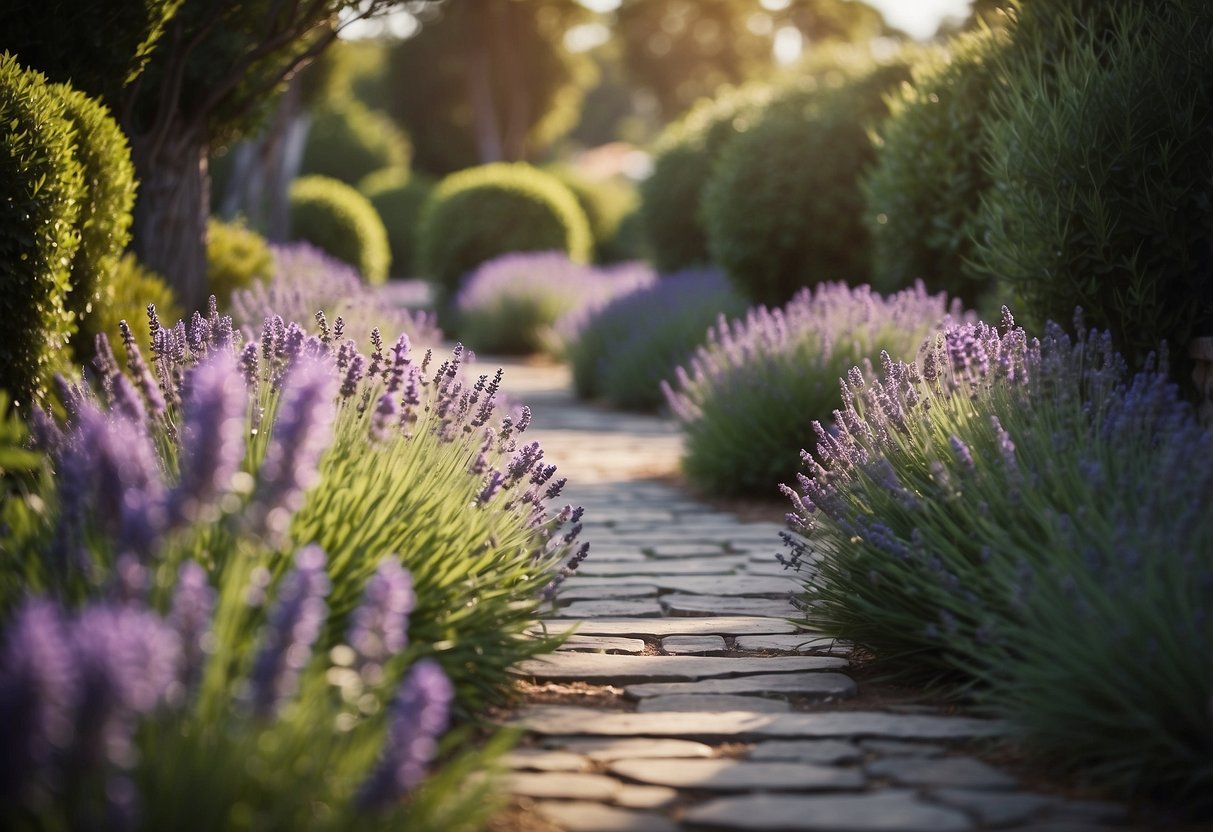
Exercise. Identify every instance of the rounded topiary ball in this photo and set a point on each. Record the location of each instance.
(398, 196)
(349, 141)
(480, 213)
(236, 257)
(337, 219)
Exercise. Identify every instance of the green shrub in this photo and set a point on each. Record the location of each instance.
(783, 207)
(336, 218)
(477, 214)
(42, 188)
(132, 288)
(398, 196)
(605, 202)
(236, 257)
(1103, 193)
(105, 210)
(349, 141)
(923, 193)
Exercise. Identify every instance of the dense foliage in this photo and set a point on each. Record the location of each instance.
(337, 219)
(398, 197)
(132, 288)
(605, 202)
(348, 140)
(236, 258)
(1026, 515)
(747, 397)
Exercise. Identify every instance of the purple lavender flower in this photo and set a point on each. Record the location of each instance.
(212, 439)
(379, 626)
(190, 616)
(294, 625)
(418, 718)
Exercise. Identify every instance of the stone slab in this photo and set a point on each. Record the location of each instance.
(735, 585)
(581, 816)
(579, 589)
(817, 685)
(891, 811)
(618, 608)
(645, 797)
(563, 785)
(701, 566)
(543, 759)
(732, 625)
(902, 748)
(957, 772)
(624, 670)
(821, 752)
(606, 750)
(684, 550)
(603, 644)
(724, 775)
(996, 809)
(738, 725)
(684, 604)
(703, 703)
(693, 645)
(790, 642)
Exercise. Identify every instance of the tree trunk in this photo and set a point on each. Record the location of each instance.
(480, 90)
(518, 95)
(170, 214)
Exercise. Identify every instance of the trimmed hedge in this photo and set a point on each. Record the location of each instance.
(606, 203)
(483, 212)
(342, 222)
(399, 196)
(42, 188)
(236, 257)
(133, 287)
(349, 140)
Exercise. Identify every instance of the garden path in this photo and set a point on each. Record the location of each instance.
(685, 700)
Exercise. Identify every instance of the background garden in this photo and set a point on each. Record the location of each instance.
(271, 541)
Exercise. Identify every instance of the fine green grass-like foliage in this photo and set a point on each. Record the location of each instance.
(342, 222)
(236, 258)
(480, 213)
(606, 202)
(133, 288)
(42, 187)
(923, 193)
(105, 210)
(747, 397)
(398, 196)
(348, 141)
(1027, 521)
(783, 208)
(621, 351)
(1104, 183)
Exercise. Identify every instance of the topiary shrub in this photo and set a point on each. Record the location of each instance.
(398, 196)
(132, 288)
(236, 257)
(923, 193)
(42, 188)
(1103, 192)
(783, 207)
(347, 141)
(606, 202)
(105, 211)
(337, 219)
(477, 214)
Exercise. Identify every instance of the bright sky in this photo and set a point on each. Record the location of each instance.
(919, 18)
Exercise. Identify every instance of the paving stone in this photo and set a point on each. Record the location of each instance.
(704, 566)
(579, 589)
(708, 625)
(890, 811)
(565, 785)
(580, 816)
(901, 748)
(996, 809)
(693, 645)
(557, 719)
(695, 702)
(684, 550)
(645, 797)
(623, 670)
(606, 750)
(959, 772)
(817, 685)
(602, 552)
(738, 775)
(603, 644)
(790, 642)
(822, 752)
(736, 585)
(621, 608)
(542, 759)
(683, 604)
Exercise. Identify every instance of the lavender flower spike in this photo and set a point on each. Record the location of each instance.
(379, 627)
(293, 627)
(419, 715)
(190, 616)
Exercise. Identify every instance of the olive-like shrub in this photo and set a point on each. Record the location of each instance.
(1029, 521)
(747, 397)
(1103, 194)
(42, 189)
(398, 197)
(348, 140)
(923, 193)
(783, 207)
(621, 351)
(481, 213)
(337, 219)
(236, 258)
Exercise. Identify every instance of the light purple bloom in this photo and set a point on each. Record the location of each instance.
(379, 625)
(190, 615)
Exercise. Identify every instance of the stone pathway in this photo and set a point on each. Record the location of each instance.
(701, 706)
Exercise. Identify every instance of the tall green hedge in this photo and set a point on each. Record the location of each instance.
(347, 141)
(398, 196)
(42, 187)
(334, 217)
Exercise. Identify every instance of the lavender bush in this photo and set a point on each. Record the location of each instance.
(511, 303)
(620, 351)
(747, 397)
(1027, 516)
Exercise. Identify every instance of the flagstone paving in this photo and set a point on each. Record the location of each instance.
(690, 702)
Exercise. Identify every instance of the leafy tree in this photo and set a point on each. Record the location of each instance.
(487, 81)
